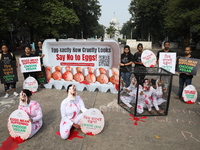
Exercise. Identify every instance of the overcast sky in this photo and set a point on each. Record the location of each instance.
(119, 7)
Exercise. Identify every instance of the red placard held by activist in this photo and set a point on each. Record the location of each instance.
(19, 124)
(92, 122)
(189, 94)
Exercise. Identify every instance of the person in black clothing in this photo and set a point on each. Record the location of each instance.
(6, 58)
(184, 78)
(126, 65)
(38, 52)
(28, 53)
(166, 49)
(138, 64)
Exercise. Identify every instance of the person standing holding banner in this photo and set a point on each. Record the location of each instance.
(28, 53)
(166, 49)
(6, 58)
(33, 109)
(184, 78)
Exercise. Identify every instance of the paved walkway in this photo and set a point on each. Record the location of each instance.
(177, 131)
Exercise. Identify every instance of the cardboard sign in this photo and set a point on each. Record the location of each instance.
(167, 61)
(31, 84)
(148, 58)
(189, 94)
(8, 72)
(187, 65)
(30, 64)
(19, 124)
(41, 76)
(92, 122)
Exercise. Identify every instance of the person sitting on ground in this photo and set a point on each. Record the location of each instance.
(157, 95)
(33, 109)
(70, 112)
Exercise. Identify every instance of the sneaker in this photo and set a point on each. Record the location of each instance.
(6, 96)
(15, 93)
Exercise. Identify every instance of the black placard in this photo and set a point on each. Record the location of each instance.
(41, 76)
(187, 65)
(8, 72)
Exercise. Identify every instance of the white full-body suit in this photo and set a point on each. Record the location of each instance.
(157, 97)
(34, 111)
(133, 91)
(70, 113)
(144, 100)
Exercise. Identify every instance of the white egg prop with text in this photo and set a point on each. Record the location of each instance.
(92, 121)
(189, 94)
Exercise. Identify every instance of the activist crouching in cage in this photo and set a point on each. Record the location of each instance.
(33, 109)
(126, 65)
(184, 78)
(28, 53)
(70, 112)
(8, 70)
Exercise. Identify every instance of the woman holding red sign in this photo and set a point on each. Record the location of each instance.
(33, 109)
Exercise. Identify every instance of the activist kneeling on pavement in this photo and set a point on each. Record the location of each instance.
(70, 112)
(33, 109)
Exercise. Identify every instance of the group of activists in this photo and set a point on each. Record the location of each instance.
(7, 57)
(139, 81)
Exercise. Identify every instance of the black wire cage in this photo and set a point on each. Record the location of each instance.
(149, 91)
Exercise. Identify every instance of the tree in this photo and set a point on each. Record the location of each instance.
(128, 28)
(99, 30)
(182, 17)
(148, 18)
(111, 31)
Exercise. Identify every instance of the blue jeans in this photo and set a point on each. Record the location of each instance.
(126, 77)
(183, 81)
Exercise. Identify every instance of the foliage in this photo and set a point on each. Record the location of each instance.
(182, 16)
(148, 17)
(128, 28)
(166, 18)
(52, 18)
(111, 31)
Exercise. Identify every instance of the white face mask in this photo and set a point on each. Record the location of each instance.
(72, 93)
(23, 99)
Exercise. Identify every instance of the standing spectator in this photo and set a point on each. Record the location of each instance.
(184, 78)
(28, 53)
(166, 49)
(6, 58)
(38, 52)
(126, 65)
(139, 66)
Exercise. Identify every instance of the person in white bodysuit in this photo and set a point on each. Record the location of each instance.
(33, 109)
(157, 95)
(131, 90)
(145, 97)
(70, 112)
